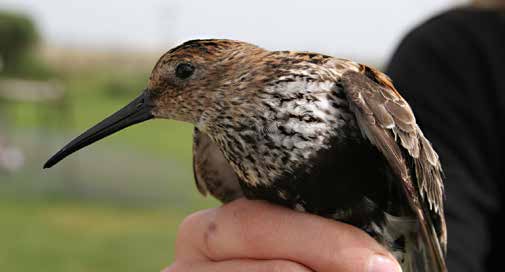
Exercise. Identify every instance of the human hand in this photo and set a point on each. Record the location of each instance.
(252, 236)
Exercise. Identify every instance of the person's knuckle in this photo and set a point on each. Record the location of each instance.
(189, 223)
(190, 230)
(239, 213)
(249, 222)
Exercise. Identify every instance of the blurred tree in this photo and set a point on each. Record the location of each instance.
(18, 36)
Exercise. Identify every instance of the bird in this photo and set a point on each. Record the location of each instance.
(304, 130)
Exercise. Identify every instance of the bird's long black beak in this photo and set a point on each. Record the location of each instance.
(137, 111)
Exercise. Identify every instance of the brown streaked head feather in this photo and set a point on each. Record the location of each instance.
(215, 63)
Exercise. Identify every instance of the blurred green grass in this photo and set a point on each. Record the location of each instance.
(113, 206)
(77, 236)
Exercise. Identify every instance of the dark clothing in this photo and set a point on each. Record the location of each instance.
(451, 70)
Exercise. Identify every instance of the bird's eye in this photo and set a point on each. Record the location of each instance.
(184, 70)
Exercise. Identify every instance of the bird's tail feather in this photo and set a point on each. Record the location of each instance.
(408, 243)
(428, 252)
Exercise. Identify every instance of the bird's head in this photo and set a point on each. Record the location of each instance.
(194, 82)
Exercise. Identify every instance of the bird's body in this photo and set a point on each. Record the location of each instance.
(299, 144)
(311, 132)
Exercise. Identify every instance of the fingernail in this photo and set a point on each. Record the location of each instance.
(380, 263)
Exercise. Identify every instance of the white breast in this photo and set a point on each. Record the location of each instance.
(302, 116)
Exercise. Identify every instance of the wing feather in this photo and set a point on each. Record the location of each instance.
(384, 117)
(213, 174)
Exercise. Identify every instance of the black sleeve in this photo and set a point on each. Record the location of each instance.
(450, 69)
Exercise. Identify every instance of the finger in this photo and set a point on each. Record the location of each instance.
(257, 230)
(238, 266)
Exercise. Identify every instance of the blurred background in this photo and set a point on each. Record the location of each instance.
(64, 65)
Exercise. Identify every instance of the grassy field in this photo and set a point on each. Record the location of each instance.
(63, 236)
(114, 206)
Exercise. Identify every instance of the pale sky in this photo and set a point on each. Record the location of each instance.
(358, 29)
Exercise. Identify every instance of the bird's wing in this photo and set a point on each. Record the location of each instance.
(388, 122)
(213, 174)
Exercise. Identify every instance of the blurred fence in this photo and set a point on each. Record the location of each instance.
(50, 107)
